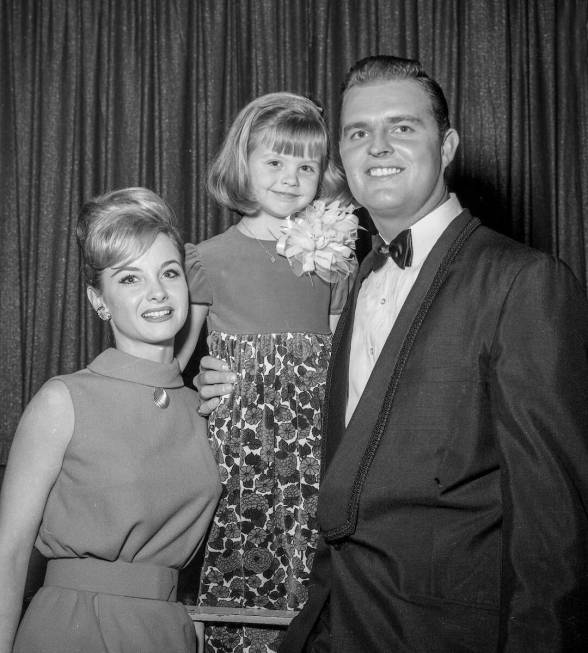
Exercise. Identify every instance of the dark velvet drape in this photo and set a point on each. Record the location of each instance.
(98, 94)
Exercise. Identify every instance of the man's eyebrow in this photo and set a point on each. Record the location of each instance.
(391, 120)
(408, 117)
(354, 125)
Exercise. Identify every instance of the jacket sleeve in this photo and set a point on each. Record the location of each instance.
(539, 397)
(319, 588)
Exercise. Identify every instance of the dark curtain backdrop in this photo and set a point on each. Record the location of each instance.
(99, 94)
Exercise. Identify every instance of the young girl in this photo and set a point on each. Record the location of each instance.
(273, 328)
(111, 471)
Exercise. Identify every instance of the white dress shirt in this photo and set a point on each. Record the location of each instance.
(382, 295)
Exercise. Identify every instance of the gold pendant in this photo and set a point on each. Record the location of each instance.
(160, 398)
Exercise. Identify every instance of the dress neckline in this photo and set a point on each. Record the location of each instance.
(119, 365)
(251, 238)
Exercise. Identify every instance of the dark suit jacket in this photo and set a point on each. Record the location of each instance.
(453, 508)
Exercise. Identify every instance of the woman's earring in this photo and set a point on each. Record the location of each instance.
(103, 314)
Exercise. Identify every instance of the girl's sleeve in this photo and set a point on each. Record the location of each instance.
(339, 292)
(198, 283)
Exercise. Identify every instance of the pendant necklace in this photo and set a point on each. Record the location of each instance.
(160, 398)
(271, 257)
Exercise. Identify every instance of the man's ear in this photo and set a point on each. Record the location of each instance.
(449, 147)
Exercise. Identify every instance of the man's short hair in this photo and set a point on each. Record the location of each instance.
(384, 68)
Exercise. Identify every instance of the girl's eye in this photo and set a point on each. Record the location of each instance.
(308, 168)
(128, 279)
(274, 163)
(172, 273)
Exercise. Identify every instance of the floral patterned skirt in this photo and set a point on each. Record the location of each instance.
(266, 438)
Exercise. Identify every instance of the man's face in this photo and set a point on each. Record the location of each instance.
(393, 155)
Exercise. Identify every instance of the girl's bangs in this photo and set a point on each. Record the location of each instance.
(296, 141)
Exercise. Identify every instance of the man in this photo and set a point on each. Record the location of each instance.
(455, 461)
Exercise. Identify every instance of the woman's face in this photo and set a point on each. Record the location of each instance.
(147, 299)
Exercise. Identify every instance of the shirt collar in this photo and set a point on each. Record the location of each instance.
(426, 231)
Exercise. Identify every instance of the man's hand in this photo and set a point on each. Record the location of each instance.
(212, 382)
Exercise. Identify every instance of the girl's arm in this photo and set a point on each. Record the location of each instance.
(333, 321)
(35, 460)
(188, 338)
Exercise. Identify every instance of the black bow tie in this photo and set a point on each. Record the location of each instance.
(399, 250)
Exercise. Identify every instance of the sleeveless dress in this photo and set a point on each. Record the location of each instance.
(272, 327)
(138, 484)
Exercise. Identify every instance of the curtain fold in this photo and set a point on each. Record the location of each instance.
(100, 94)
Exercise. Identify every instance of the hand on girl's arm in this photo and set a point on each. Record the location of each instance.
(35, 460)
(216, 380)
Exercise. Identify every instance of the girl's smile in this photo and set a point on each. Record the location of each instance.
(282, 184)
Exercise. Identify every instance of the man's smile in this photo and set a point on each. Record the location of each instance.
(383, 172)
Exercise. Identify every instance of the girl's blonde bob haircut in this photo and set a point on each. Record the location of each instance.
(287, 123)
(118, 227)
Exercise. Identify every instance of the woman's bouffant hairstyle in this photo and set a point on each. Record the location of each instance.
(287, 123)
(120, 226)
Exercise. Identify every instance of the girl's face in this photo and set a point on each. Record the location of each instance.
(282, 184)
(148, 301)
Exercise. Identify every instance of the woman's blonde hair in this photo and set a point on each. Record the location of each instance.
(120, 226)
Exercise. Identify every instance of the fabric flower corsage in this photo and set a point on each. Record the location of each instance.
(321, 239)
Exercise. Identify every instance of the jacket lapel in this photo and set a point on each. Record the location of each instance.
(348, 452)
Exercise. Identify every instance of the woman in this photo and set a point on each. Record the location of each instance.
(110, 474)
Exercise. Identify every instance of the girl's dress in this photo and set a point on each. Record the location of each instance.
(272, 327)
(138, 485)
